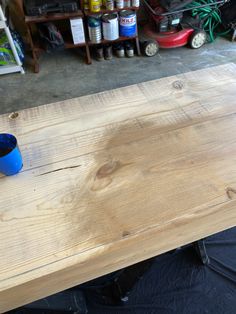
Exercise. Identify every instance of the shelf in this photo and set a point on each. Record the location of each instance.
(104, 41)
(68, 40)
(38, 44)
(70, 45)
(104, 10)
(53, 17)
(7, 69)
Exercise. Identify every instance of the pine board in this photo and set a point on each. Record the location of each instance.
(114, 178)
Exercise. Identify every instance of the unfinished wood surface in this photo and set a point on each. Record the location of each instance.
(115, 178)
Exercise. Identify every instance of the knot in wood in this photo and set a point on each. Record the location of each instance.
(178, 85)
(108, 169)
(230, 192)
(13, 115)
(125, 234)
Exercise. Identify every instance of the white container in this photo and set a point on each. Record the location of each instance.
(77, 30)
(135, 3)
(110, 26)
(120, 4)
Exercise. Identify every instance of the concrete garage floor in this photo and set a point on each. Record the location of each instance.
(64, 75)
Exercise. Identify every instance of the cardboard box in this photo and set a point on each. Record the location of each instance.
(77, 30)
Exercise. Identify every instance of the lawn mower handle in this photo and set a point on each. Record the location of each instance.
(183, 10)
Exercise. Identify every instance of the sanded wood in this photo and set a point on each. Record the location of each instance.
(115, 178)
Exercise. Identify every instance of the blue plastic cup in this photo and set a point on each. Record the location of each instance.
(10, 156)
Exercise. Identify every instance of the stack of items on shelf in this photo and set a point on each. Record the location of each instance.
(121, 49)
(112, 26)
(96, 6)
(43, 7)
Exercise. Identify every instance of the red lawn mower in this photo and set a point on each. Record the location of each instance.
(172, 23)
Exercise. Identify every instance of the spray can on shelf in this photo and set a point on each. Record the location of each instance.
(110, 26)
(95, 5)
(110, 4)
(127, 23)
(95, 30)
(120, 4)
(135, 3)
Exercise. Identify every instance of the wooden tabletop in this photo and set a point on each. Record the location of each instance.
(115, 178)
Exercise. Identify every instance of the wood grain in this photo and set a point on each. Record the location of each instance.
(115, 178)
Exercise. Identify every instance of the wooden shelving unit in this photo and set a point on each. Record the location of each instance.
(36, 48)
(35, 45)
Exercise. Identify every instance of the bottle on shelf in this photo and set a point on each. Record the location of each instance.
(95, 6)
(110, 4)
(119, 49)
(120, 4)
(95, 30)
(110, 26)
(127, 23)
(129, 49)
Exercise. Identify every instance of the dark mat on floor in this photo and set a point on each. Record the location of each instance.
(177, 282)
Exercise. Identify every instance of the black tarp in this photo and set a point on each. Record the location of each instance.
(177, 282)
